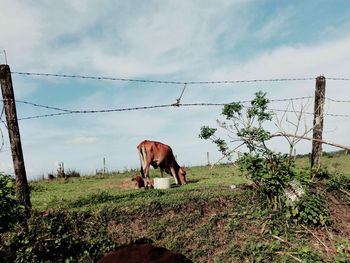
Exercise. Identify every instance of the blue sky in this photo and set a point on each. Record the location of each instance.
(163, 40)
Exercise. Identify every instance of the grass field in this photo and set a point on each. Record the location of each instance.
(205, 220)
(118, 187)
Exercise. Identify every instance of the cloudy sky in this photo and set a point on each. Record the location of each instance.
(169, 41)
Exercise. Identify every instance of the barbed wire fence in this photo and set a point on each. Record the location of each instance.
(60, 111)
(178, 101)
(68, 111)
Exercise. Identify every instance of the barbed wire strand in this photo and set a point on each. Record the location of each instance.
(213, 104)
(160, 106)
(333, 100)
(196, 104)
(344, 79)
(42, 106)
(67, 111)
(158, 81)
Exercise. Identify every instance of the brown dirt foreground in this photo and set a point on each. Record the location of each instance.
(233, 229)
(340, 214)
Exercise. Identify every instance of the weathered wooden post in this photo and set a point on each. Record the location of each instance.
(320, 93)
(22, 188)
(104, 165)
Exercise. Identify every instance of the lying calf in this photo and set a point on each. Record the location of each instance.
(141, 182)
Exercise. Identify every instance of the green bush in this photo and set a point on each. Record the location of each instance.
(271, 174)
(311, 209)
(308, 254)
(337, 182)
(9, 206)
(343, 251)
(321, 172)
(58, 236)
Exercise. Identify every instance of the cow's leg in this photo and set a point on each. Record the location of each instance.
(161, 172)
(173, 173)
(146, 178)
(145, 160)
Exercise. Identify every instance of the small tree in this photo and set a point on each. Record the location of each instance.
(270, 171)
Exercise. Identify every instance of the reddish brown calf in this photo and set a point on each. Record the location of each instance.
(140, 183)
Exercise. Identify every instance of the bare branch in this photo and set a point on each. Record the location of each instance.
(229, 153)
(311, 139)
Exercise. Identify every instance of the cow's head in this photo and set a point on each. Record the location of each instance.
(182, 175)
(139, 182)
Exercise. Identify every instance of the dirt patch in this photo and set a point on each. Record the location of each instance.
(120, 184)
(340, 214)
(126, 233)
(234, 226)
(322, 239)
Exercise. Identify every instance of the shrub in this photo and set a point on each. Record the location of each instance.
(58, 236)
(337, 182)
(321, 172)
(72, 173)
(9, 206)
(311, 209)
(271, 174)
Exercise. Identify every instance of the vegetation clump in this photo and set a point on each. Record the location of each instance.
(9, 207)
(273, 173)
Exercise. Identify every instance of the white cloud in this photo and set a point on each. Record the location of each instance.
(331, 58)
(22, 29)
(82, 140)
(276, 26)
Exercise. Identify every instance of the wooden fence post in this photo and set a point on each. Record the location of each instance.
(320, 93)
(104, 165)
(22, 188)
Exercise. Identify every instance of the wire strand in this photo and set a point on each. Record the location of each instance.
(160, 106)
(68, 111)
(159, 81)
(207, 104)
(333, 100)
(344, 79)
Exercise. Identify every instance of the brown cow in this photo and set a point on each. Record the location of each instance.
(159, 155)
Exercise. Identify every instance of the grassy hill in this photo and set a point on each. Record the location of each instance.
(206, 220)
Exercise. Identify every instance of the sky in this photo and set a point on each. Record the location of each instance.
(170, 41)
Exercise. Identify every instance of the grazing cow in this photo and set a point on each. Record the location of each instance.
(143, 253)
(159, 155)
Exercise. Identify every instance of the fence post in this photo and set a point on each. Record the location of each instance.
(320, 93)
(104, 165)
(22, 188)
(208, 160)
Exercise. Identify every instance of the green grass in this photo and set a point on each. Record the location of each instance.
(335, 163)
(118, 189)
(202, 181)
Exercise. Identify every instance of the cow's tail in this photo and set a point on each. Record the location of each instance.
(142, 156)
